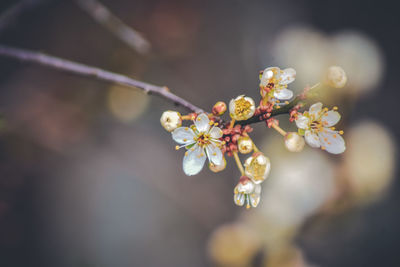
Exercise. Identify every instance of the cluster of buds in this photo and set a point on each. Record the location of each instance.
(210, 137)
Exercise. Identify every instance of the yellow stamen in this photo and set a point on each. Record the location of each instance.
(177, 147)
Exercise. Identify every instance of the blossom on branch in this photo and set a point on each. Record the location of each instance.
(242, 108)
(201, 141)
(274, 82)
(246, 191)
(317, 127)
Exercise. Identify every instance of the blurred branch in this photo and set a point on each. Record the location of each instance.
(102, 15)
(89, 71)
(11, 14)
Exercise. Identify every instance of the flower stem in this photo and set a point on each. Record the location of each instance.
(238, 163)
(279, 129)
(232, 123)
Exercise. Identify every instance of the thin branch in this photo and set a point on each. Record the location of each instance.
(102, 15)
(11, 15)
(89, 71)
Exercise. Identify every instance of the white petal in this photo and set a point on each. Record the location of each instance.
(330, 118)
(302, 122)
(312, 139)
(269, 73)
(287, 76)
(257, 189)
(232, 106)
(194, 160)
(202, 123)
(239, 199)
(283, 94)
(254, 200)
(216, 132)
(315, 109)
(214, 154)
(183, 135)
(332, 141)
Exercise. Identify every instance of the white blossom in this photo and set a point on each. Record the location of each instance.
(317, 127)
(246, 191)
(242, 108)
(201, 141)
(257, 167)
(277, 80)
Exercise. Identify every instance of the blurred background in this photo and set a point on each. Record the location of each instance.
(88, 177)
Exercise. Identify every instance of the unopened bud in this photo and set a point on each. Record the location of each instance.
(219, 108)
(245, 145)
(218, 168)
(294, 142)
(171, 120)
(336, 77)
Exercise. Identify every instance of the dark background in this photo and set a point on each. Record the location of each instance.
(58, 129)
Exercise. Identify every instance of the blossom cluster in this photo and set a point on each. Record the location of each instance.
(213, 138)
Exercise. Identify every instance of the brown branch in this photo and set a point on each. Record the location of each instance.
(102, 15)
(85, 70)
(277, 111)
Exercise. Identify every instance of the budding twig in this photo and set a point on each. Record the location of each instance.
(89, 71)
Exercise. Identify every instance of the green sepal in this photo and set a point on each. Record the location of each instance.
(190, 146)
(301, 132)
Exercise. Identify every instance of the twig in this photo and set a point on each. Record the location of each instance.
(11, 14)
(102, 15)
(85, 70)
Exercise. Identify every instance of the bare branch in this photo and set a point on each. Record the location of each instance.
(102, 15)
(11, 14)
(89, 71)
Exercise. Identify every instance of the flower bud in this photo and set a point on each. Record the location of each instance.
(219, 108)
(336, 77)
(257, 167)
(294, 142)
(218, 168)
(247, 191)
(171, 120)
(245, 185)
(242, 108)
(245, 145)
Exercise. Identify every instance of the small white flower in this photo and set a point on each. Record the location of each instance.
(171, 120)
(294, 142)
(257, 167)
(276, 81)
(242, 108)
(247, 191)
(316, 126)
(245, 144)
(201, 141)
